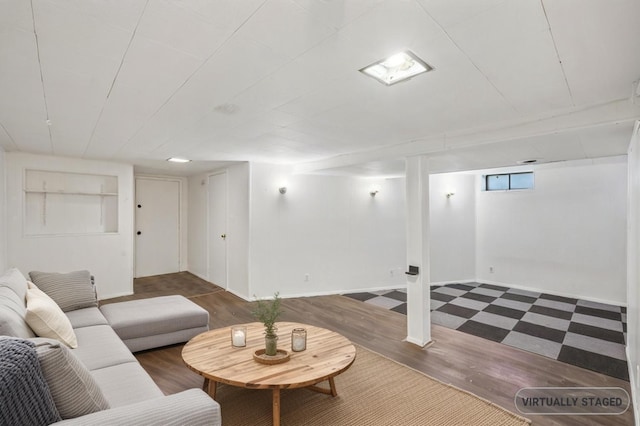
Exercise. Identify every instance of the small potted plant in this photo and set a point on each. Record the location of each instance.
(267, 312)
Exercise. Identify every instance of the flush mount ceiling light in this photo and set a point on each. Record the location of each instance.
(178, 160)
(397, 68)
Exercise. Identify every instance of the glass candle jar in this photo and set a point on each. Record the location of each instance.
(238, 336)
(298, 339)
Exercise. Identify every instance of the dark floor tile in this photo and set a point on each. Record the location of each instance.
(433, 287)
(396, 295)
(550, 312)
(599, 313)
(361, 296)
(458, 311)
(485, 331)
(493, 287)
(540, 331)
(558, 298)
(518, 297)
(464, 287)
(601, 363)
(597, 332)
(442, 297)
(624, 327)
(505, 312)
(479, 297)
(623, 309)
(402, 309)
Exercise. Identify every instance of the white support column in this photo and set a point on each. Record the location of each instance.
(418, 288)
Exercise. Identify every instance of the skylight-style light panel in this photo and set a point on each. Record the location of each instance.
(397, 68)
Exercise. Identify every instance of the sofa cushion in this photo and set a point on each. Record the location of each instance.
(99, 347)
(14, 280)
(12, 315)
(86, 317)
(26, 399)
(47, 320)
(72, 290)
(125, 384)
(74, 390)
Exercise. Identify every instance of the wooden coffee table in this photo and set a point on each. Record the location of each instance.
(211, 355)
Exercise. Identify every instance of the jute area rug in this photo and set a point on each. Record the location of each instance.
(374, 391)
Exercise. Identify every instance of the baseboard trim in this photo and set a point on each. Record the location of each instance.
(555, 293)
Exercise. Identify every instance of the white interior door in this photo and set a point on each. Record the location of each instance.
(157, 227)
(218, 229)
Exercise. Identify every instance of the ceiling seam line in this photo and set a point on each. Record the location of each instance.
(468, 58)
(44, 92)
(115, 77)
(13, 142)
(194, 73)
(555, 47)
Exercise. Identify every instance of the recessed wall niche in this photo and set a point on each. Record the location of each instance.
(61, 203)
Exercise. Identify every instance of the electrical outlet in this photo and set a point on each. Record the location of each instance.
(491, 269)
(391, 273)
(307, 277)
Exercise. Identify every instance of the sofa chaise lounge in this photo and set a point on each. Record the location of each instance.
(89, 373)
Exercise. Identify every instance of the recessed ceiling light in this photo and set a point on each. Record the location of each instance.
(530, 161)
(397, 68)
(178, 160)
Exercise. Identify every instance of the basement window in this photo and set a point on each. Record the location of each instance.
(508, 181)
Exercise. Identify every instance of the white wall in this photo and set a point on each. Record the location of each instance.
(567, 236)
(237, 227)
(3, 212)
(633, 272)
(109, 257)
(325, 235)
(453, 227)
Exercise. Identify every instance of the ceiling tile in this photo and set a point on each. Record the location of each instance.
(599, 44)
(286, 28)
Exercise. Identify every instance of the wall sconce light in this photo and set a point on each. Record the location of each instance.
(282, 190)
(373, 192)
(450, 194)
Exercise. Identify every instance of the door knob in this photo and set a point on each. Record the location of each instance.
(139, 232)
(223, 236)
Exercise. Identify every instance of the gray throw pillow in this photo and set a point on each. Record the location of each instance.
(74, 390)
(71, 291)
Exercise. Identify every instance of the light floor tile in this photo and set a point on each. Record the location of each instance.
(435, 304)
(495, 320)
(546, 321)
(513, 304)
(596, 305)
(469, 303)
(385, 302)
(555, 305)
(447, 320)
(450, 291)
(487, 292)
(591, 344)
(597, 322)
(533, 344)
(523, 292)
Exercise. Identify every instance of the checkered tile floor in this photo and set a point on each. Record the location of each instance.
(587, 334)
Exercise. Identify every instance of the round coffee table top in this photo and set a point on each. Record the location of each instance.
(211, 355)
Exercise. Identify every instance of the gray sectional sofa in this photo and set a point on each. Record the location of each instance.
(118, 390)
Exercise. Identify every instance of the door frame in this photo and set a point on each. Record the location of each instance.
(181, 206)
(226, 224)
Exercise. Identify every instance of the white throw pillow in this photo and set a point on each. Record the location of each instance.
(46, 318)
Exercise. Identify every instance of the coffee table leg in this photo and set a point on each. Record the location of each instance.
(332, 385)
(210, 387)
(276, 407)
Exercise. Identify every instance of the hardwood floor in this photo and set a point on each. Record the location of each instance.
(488, 369)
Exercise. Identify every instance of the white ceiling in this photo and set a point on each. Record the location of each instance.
(277, 81)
